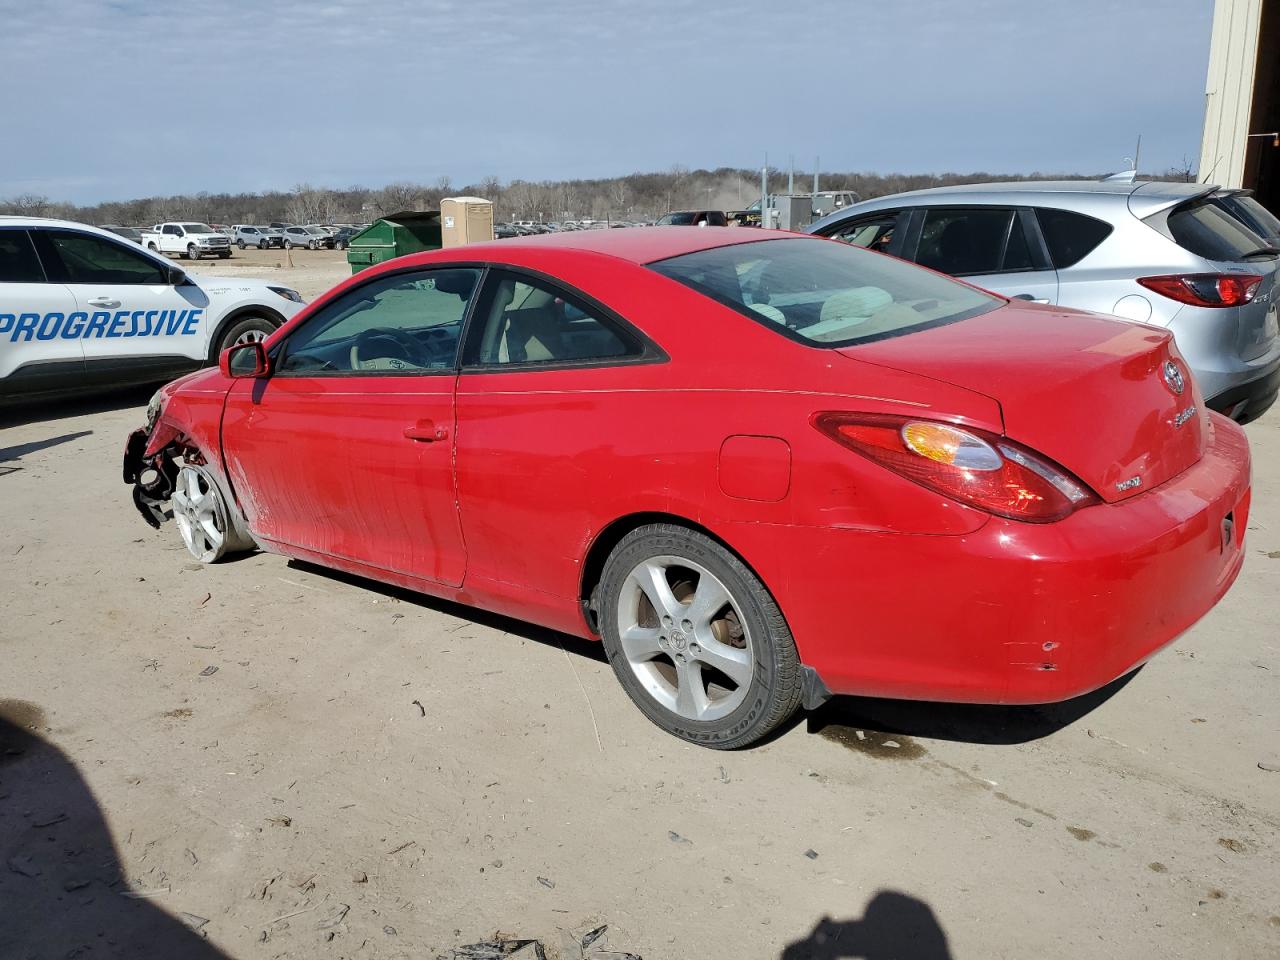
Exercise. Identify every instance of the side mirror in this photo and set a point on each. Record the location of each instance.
(244, 360)
(177, 277)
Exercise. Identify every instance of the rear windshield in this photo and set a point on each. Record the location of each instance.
(823, 292)
(1210, 232)
(1252, 214)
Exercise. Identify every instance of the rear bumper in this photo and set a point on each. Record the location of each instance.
(1014, 612)
(1250, 400)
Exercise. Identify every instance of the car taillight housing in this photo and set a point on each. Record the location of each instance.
(977, 468)
(1206, 289)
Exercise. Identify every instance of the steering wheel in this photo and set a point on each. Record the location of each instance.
(407, 346)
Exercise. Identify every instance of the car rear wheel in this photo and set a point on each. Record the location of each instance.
(208, 527)
(193, 252)
(695, 639)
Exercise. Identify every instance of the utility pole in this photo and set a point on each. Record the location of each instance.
(815, 175)
(791, 177)
(764, 191)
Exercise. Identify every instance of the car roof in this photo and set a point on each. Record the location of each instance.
(639, 245)
(1142, 197)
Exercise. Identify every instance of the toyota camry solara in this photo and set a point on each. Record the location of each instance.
(760, 468)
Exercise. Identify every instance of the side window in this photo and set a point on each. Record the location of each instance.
(18, 260)
(403, 323)
(965, 242)
(529, 321)
(89, 259)
(1070, 236)
(169, 229)
(873, 233)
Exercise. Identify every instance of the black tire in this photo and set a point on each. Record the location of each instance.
(193, 252)
(263, 245)
(342, 245)
(774, 690)
(288, 245)
(241, 327)
(240, 244)
(313, 245)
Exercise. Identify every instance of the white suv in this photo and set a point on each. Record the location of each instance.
(81, 309)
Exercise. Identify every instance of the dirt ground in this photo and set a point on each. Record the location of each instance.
(293, 763)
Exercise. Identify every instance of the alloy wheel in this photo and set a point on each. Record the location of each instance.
(199, 514)
(684, 638)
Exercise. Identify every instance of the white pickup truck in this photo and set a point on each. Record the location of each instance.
(190, 240)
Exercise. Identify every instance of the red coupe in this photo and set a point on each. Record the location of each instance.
(761, 468)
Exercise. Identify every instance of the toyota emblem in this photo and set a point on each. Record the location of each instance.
(1173, 378)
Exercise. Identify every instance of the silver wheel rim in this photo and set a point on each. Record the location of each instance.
(684, 638)
(249, 336)
(198, 513)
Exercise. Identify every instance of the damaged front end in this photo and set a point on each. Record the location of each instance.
(153, 455)
(152, 477)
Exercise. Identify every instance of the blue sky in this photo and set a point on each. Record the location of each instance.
(113, 99)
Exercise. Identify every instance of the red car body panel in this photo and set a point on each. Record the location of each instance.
(889, 588)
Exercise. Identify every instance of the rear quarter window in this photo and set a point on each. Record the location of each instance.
(1209, 231)
(1070, 236)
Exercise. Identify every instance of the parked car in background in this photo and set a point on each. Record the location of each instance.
(694, 218)
(82, 308)
(342, 239)
(129, 233)
(1167, 254)
(885, 482)
(246, 235)
(190, 240)
(313, 238)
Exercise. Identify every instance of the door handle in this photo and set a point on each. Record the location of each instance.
(1028, 298)
(104, 302)
(425, 431)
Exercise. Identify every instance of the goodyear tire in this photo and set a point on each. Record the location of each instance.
(695, 639)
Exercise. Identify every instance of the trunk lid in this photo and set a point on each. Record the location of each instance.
(1089, 392)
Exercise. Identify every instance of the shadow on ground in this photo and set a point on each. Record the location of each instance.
(495, 621)
(967, 722)
(20, 450)
(62, 893)
(894, 926)
(17, 411)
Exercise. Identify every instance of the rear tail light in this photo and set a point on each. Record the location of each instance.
(1206, 289)
(974, 467)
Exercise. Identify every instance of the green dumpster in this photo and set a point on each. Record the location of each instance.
(393, 236)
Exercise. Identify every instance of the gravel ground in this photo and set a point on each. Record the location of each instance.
(263, 759)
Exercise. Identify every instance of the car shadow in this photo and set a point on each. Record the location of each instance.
(15, 412)
(966, 722)
(62, 887)
(18, 451)
(894, 926)
(590, 649)
(839, 719)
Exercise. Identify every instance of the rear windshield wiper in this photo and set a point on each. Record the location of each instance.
(1261, 252)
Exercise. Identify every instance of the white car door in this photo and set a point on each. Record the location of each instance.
(39, 328)
(138, 321)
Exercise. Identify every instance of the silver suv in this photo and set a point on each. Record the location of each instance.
(245, 235)
(1170, 254)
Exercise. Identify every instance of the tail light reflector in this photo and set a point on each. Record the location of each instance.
(1206, 289)
(972, 466)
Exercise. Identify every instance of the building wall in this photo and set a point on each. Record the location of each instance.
(1233, 59)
